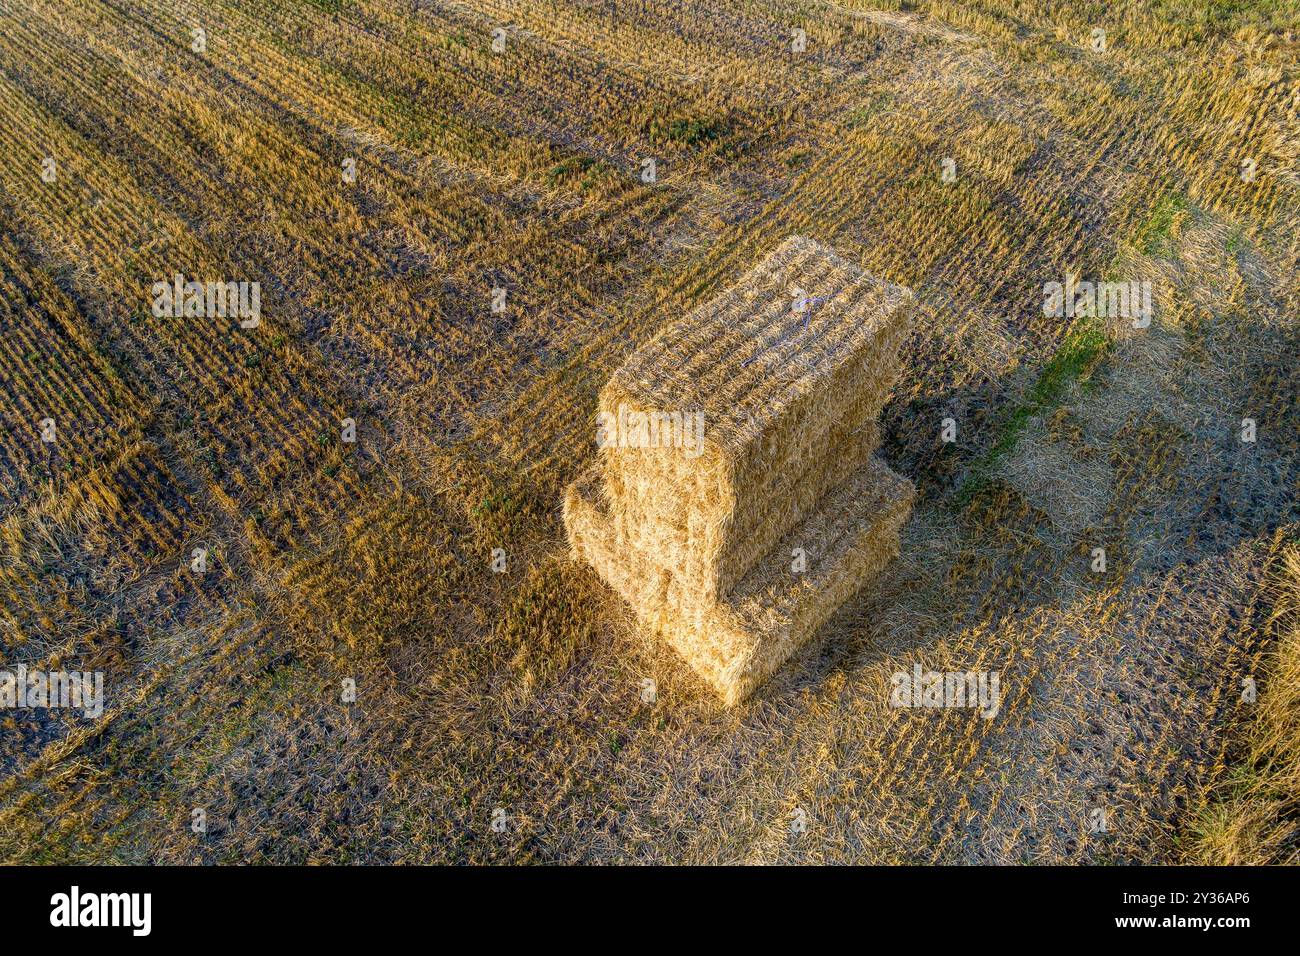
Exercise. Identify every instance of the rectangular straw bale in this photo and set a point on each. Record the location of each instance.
(735, 644)
(772, 385)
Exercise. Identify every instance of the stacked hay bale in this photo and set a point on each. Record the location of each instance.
(738, 440)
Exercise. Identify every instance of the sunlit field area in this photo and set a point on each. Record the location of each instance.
(306, 310)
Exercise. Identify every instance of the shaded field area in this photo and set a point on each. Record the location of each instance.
(446, 207)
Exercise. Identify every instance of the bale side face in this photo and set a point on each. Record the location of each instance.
(708, 557)
(737, 643)
(848, 540)
(586, 521)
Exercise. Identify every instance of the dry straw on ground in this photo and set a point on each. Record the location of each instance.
(700, 530)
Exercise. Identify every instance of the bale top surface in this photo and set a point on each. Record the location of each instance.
(743, 357)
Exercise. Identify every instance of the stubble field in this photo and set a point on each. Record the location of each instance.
(501, 146)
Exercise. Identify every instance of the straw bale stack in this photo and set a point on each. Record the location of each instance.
(742, 432)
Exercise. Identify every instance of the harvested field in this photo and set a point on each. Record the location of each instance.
(319, 553)
(737, 642)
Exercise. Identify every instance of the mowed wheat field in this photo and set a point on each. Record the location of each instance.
(180, 510)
